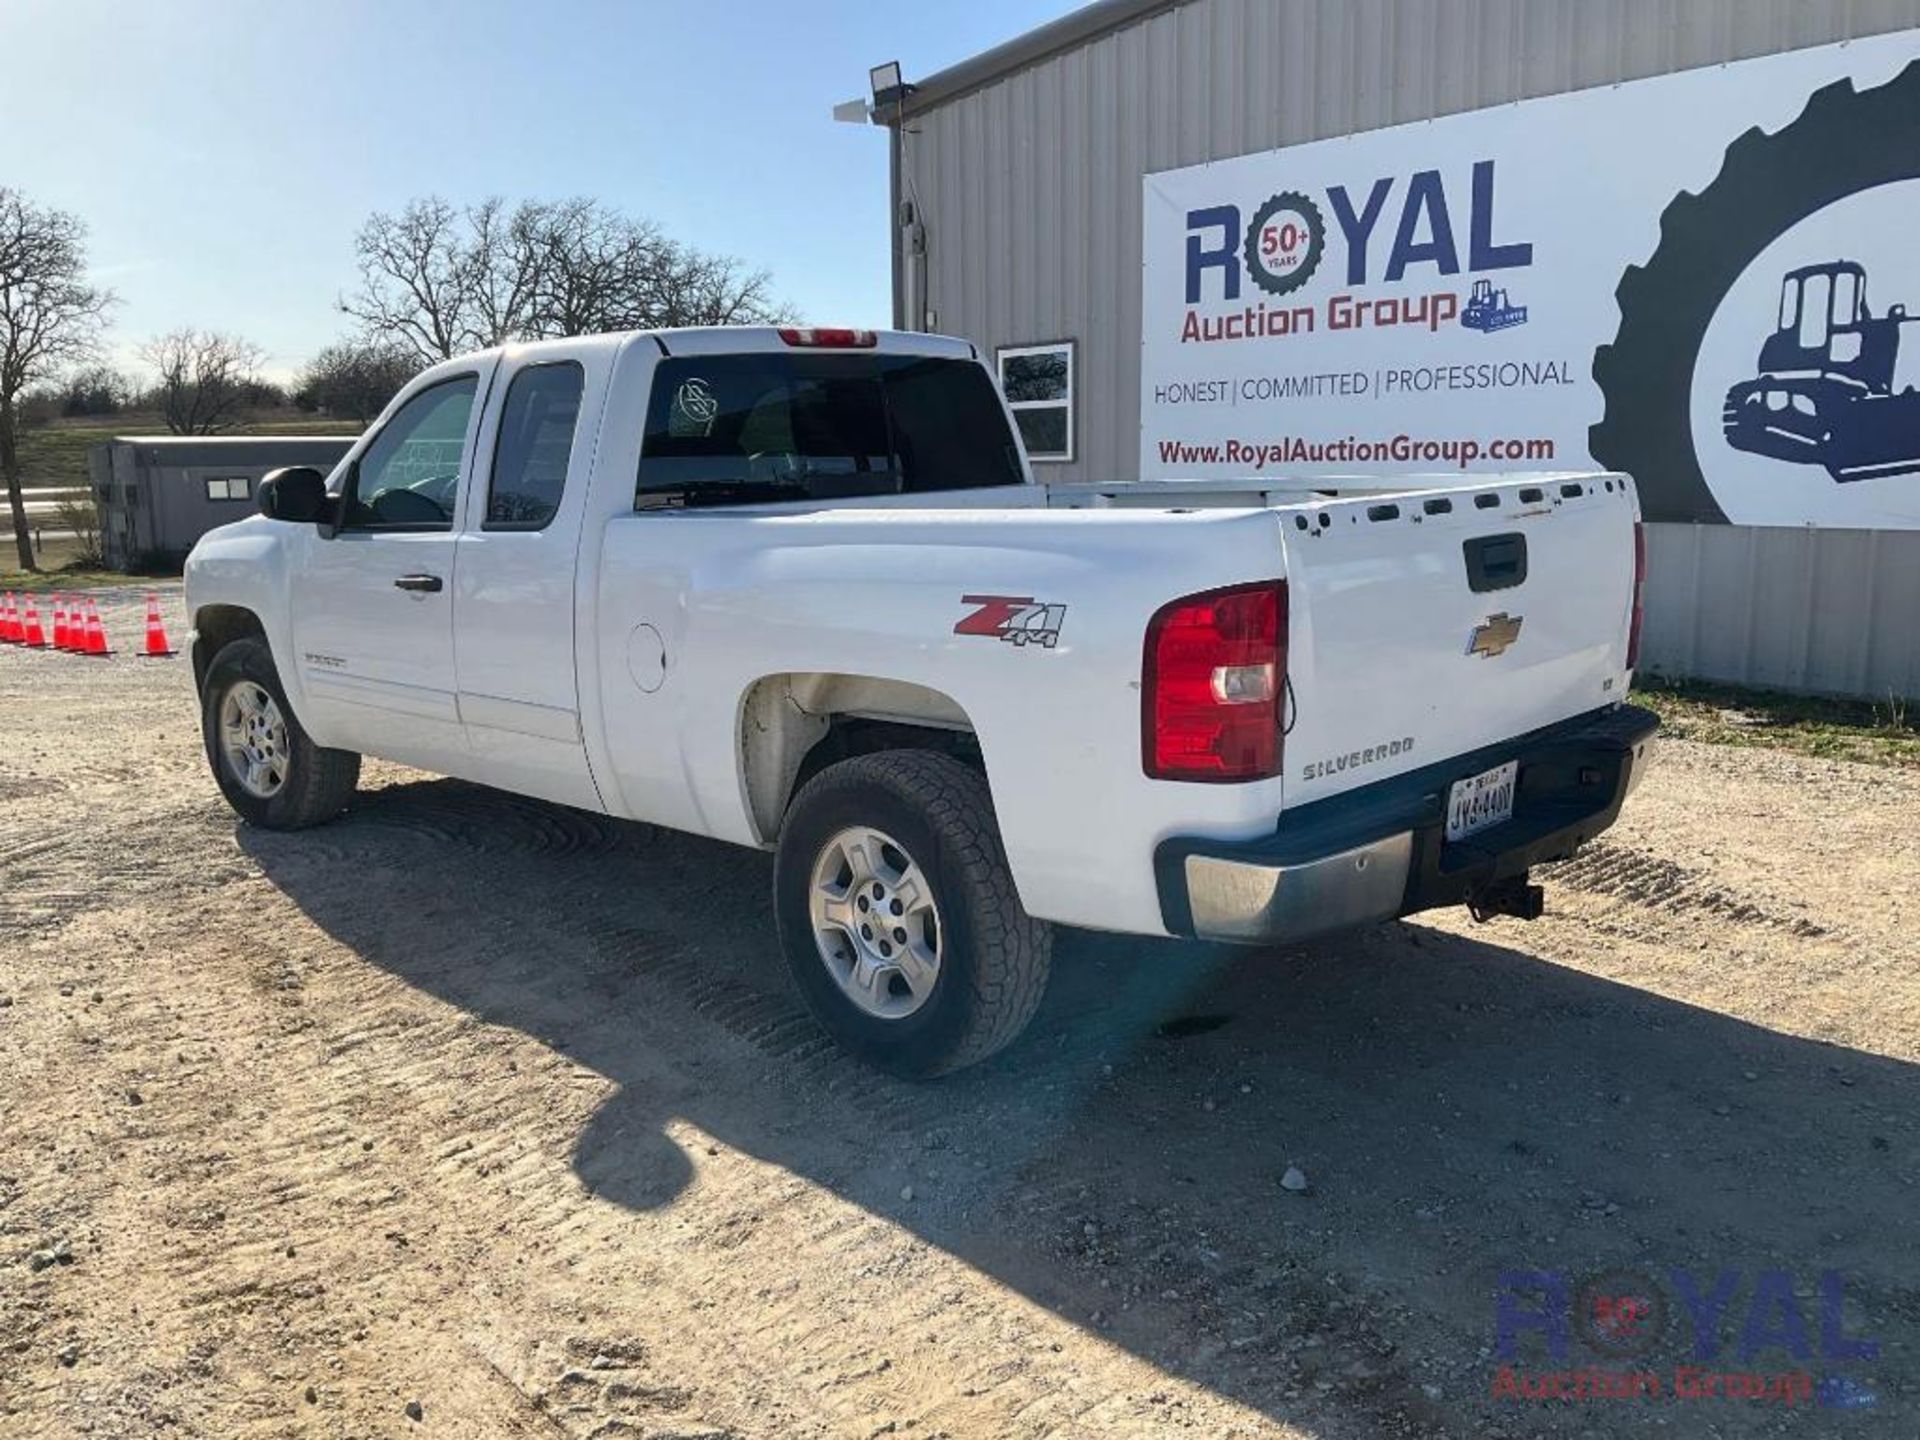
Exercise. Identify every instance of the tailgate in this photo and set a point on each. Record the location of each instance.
(1427, 624)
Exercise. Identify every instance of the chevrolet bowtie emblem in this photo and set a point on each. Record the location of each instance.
(1495, 636)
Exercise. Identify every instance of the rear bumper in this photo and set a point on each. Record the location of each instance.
(1380, 851)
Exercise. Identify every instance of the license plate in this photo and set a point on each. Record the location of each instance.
(1484, 799)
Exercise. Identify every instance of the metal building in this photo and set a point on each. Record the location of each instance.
(1017, 182)
(159, 494)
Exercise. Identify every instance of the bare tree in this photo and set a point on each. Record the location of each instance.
(502, 269)
(417, 278)
(692, 288)
(206, 380)
(441, 280)
(50, 319)
(355, 378)
(590, 270)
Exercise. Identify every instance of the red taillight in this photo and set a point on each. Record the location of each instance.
(1639, 582)
(1215, 671)
(829, 338)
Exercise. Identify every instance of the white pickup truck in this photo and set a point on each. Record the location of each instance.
(797, 589)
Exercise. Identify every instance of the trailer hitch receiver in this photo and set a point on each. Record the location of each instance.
(1512, 896)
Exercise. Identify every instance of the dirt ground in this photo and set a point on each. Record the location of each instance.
(464, 1116)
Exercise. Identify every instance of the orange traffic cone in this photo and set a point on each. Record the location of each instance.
(61, 639)
(157, 646)
(93, 639)
(9, 622)
(31, 634)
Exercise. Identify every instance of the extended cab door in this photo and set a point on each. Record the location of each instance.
(373, 603)
(514, 581)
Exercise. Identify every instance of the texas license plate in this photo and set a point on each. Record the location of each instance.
(1482, 800)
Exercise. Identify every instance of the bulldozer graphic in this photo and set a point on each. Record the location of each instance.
(1838, 386)
(1488, 309)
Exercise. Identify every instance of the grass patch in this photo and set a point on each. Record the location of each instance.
(1884, 732)
(45, 582)
(60, 569)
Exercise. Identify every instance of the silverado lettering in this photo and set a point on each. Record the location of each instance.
(1353, 759)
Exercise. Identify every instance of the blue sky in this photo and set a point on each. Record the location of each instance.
(224, 154)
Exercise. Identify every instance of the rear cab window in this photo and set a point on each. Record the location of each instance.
(534, 445)
(744, 429)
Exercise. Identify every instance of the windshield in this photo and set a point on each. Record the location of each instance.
(732, 429)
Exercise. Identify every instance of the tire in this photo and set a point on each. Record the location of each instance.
(992, 957)
(1845, 141)
(314, 782)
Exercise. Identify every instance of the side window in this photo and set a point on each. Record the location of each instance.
(536, 440)
(409, 475)
(1038, 383)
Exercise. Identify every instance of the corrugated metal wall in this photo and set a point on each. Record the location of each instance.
(1827, 611)
(1030, 190)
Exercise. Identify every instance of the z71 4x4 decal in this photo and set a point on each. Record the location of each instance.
(1019, 619)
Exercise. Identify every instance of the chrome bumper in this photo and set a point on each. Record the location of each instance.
(1381, 851)
(1242, 900)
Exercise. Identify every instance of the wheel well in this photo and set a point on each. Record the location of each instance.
(851, 735)
(214, 628)
(793, 726)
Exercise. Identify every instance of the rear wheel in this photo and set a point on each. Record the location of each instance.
(267, 766)
(898, 915)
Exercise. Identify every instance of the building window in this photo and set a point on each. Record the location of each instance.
(1038, 383)
(236, 487)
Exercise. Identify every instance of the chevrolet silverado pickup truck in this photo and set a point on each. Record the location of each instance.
(797, 589)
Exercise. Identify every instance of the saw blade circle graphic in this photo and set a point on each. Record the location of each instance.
(1282, 257)
(1845, 141)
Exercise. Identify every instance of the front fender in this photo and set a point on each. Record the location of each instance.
(248, 565)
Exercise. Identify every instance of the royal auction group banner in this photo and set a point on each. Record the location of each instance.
(1702, 279)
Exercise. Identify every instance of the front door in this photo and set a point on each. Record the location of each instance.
(373, 605)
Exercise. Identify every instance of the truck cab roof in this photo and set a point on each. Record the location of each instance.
(730, 339)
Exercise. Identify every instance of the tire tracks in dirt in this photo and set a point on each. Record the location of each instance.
(508, 1109)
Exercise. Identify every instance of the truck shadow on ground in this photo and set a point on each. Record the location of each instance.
(1460, 1108)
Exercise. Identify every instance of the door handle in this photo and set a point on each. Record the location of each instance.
(420, 584)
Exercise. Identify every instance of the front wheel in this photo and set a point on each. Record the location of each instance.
(267, 766)
(898, 915)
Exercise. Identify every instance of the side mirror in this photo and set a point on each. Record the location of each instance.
(294, 492)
